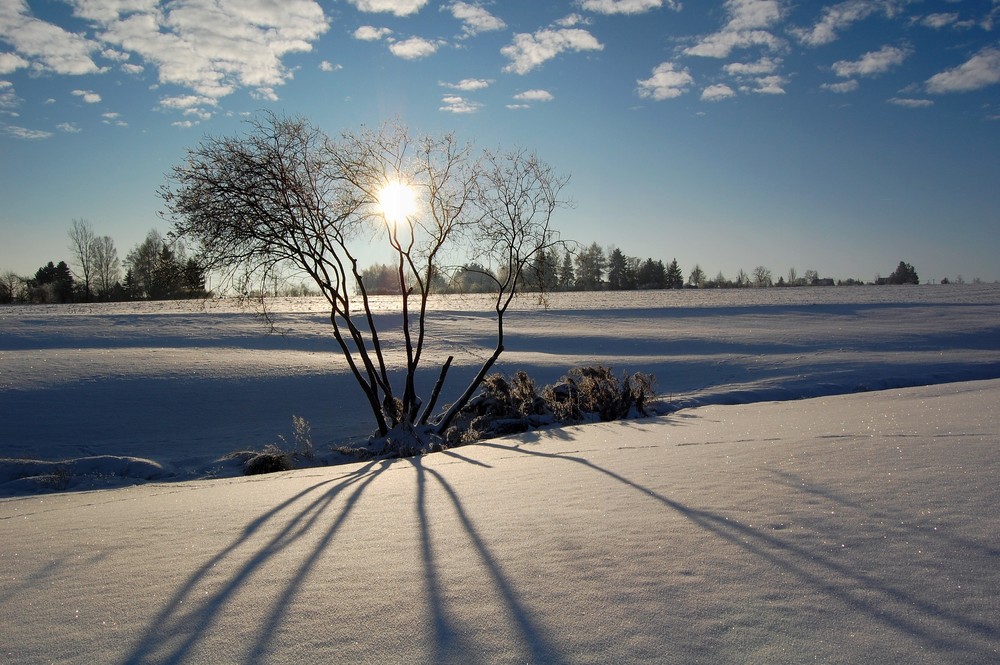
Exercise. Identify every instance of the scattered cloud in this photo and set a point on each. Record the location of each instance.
(717, 92)
(26, 134)
(666, 82)
(458, 104)
(368, 33)
(534, 96)
(841, 87)
(87, 96)
(748, 25)
(397, 7)
(763, 66)
(414, 48)
(768, 85)
(518, 107)
(44, 46)
(205, 46)
(871, 63)
(834, 19)
(11, 62)
(327, 66)
(68, 128)
(474, 18)
(573, 20)
(8, 98)
(980, 71)
(910, 103)
(529, 51)
(133, 69)
(468, 85)
(115, 119)
(938, 21)
(625, 6)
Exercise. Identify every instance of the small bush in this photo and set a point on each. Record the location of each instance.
(586, 393)
(270, 460)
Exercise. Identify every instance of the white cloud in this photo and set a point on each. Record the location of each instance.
(980, 71)
(209, 47)
(8, 98)
(26, 134)
(468, 85)
(871, 63)
(625, 6)
(763, 66)
(518, 107)
(368, 33)
(130, 68)
(534, 96)
(529, 51)
(45, 46)
(457, 104)
(11, 62)
(938, 21)
(769, 85)
(115, 119)
(573, 19)
(842, 87)
(834, 19)
(397, 7)
(748, 24)
(327, 66)
(182, 102)
(911, 103)
(413, 48)
(68, 128)
(666, 82)
(474, 18)
(87, 96)
(719, 91)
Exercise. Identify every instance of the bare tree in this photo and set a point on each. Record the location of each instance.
(285, 196)
(762, 276)
(107, 266)
(11, 287)
(81, 237)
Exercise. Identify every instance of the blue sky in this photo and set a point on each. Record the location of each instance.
(840, 137)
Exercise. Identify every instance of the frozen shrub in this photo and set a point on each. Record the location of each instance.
(270, 460)
(596, 390)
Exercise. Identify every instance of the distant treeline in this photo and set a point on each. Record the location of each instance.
(152, 270)
(594, 269)
(155, 270)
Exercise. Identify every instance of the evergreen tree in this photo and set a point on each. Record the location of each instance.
(652, 275)
(675, 277)
(617, 270)
(904, 274)
(590, 267)
(567, 276)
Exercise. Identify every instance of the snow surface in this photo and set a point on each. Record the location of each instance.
(846, 529)
(183, 384)
(858, 526)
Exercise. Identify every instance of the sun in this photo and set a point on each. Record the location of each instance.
(397, 201)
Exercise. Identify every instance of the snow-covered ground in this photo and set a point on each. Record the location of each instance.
(849, 529)
(854, 527)
(181, 384)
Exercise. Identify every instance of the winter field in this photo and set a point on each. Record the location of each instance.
(744, 524)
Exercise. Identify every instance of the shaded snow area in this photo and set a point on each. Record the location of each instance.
(848, 529)
(103, 395)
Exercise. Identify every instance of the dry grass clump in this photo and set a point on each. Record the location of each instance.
(510, 406)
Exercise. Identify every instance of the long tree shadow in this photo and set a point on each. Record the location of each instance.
(186, 618)
(898, 608)
(451, 645)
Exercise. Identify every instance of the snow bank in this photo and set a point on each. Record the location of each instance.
(846, 529)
